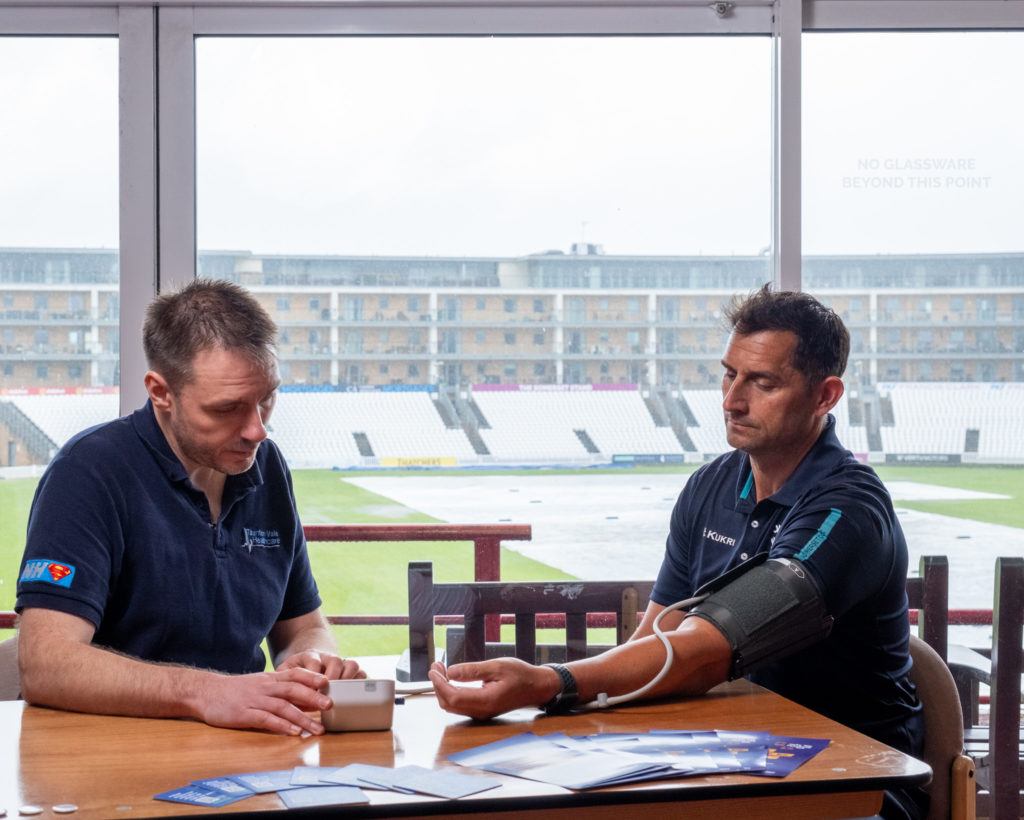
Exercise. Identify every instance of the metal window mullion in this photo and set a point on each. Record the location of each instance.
(176, 147)
(786, 141)
(137, 191)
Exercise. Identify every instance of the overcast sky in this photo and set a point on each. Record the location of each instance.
(503, 147)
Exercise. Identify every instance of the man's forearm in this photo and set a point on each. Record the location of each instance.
(86, 678)
(61, 667)
(700, 660)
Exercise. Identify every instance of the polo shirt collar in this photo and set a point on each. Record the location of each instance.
(820, 460)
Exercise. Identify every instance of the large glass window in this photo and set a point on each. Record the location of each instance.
(59, 268)
(455, 166)
(59, 272)
(909, 144)
(912, 174)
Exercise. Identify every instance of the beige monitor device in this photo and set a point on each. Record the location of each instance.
(360, 705)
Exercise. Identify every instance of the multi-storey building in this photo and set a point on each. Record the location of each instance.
(551, 318)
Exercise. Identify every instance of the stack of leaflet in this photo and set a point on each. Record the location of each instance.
(593, 761)
(584, 762)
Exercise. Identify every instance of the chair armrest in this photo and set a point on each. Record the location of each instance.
(963, 801)
(970, 669)
(969, 663)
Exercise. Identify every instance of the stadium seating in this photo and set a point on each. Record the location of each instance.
(61, 416)
(324, 428)
(708, 436)
(934, 418)
(532, 425)
(316, 429)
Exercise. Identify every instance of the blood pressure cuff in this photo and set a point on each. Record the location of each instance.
(770, 610)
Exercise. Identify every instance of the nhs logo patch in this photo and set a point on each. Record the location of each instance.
(50, 572)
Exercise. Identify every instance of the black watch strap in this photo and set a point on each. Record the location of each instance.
(568, 697)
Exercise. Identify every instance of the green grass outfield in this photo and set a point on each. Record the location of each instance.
(364, 578)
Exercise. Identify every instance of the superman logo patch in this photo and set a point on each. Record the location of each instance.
(50, 572)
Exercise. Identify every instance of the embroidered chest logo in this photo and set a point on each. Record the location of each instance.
(260, 539)
(711, 535)
(50, 572)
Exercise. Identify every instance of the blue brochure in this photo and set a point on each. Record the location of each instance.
(591, 761)
(786, 754)
(200, 796)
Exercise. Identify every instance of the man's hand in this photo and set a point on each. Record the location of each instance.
(307, 642)
(273, 701)
(324, 663)
(508, 683)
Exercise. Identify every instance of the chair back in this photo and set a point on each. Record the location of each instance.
(1004, 778)
(952, 787)
(10, 686)
(928, 593)
(474, 600)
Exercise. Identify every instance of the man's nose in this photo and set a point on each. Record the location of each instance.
(255, 428)
(733, 398)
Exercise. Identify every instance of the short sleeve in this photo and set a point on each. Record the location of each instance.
(74, 540)
(848, 538)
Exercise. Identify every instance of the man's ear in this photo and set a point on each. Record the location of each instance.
(830, 392)
(158, 389)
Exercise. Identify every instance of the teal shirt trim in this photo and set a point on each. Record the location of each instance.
(746, 487)
(819, 537)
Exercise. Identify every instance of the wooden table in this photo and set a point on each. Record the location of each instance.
(110, 767)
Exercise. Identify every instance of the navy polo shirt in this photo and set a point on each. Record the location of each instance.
(118, 535)
(834, 515)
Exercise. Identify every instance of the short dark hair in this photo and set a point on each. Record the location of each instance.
(205, 314)
(823, 342)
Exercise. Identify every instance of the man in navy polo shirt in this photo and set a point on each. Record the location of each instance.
(165, 546)
(788, 493)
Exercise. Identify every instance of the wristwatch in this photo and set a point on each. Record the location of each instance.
(568, 697)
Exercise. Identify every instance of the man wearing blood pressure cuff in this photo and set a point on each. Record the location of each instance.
(784, 562)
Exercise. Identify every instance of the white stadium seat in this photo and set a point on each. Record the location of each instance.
(317, 429)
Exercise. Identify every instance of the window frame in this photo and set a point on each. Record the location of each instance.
(135, 29)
